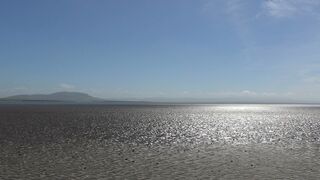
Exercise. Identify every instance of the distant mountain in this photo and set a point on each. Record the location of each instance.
(76, 97)
(65, 98)
(83, 98)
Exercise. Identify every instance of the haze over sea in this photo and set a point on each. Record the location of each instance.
(160, 141)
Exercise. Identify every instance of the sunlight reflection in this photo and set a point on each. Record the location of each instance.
(244, 107)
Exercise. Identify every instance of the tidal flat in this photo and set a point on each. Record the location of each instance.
(160, 142)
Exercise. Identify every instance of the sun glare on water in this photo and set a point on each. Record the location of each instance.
(244, 107)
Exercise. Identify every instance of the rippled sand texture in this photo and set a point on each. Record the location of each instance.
(160, 142)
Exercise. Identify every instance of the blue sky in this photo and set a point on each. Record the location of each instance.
(202, 49)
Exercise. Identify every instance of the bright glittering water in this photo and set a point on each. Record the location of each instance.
(160, 142)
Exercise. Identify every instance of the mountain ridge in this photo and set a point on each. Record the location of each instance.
(63, 96)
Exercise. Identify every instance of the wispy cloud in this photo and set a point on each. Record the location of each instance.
(313, 79)
(244, 93)
(311, 75)
(289, 8)
(232, 94)
(241, 16)
(66, 86)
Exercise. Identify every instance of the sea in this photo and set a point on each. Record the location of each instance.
(190, 141)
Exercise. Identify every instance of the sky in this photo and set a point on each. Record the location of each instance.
(263, 50)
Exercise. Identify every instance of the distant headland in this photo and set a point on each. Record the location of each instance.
(61, 98)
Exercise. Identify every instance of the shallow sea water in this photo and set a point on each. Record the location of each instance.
(160, 142)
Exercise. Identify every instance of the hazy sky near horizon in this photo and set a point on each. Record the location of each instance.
(259, 49)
